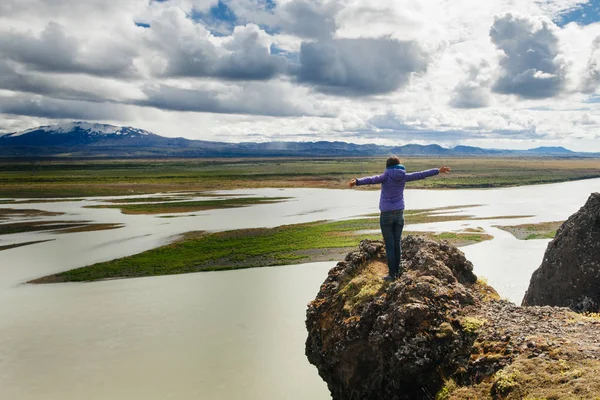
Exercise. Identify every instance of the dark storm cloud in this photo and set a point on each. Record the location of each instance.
(53, 51)
(36, 83)
(358, 67)
(253, 100)
(43, 107)
(532, 66)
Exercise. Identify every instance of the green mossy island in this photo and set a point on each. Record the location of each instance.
(55, 227)
(542, 230)
(246, 248)
(189, 206)
(13, 246)
(6, 213)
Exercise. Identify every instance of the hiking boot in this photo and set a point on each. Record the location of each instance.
(389, 278)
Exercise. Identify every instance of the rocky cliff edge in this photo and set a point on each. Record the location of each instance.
(439, 333)
(569, 275)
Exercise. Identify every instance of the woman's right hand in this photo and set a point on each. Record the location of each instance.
(444, 170)
(352, 183)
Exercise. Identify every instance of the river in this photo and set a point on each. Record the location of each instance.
(214, 335)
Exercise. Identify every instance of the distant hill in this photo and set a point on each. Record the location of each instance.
(83, 139)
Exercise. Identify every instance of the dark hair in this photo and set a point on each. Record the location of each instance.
(393, 160)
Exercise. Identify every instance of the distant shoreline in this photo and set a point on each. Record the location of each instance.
(65, 177)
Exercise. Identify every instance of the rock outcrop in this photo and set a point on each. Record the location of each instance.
(569, 275)
(439, 333)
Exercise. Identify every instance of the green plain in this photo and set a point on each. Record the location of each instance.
(77, 178)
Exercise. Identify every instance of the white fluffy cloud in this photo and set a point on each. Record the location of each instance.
(497, 73)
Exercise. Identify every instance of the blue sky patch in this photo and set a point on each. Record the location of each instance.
(220, 19)
(593, 99)
(142, 24)
(222, 12)
(584, 14)
(271, 30)
(270, 4)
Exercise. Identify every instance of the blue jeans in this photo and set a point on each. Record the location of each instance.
(392, 223)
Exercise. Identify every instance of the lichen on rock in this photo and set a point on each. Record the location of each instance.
(386, 337)
(439, 333)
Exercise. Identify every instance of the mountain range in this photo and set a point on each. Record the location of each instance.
(83, 139)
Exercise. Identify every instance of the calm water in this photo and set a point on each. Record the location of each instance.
(226, 335)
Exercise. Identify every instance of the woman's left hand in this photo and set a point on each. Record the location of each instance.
(352, 183)
(444, 170)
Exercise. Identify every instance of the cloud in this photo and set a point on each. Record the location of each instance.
(190, 50)
(394, 126)
(358, 67)
(473, 91)
(235, 72)
(250, 99)
(249, 57)
(53, 51)
(591, 78)
(309, 19)
(532, 66)
(44, 107)
(44, 84)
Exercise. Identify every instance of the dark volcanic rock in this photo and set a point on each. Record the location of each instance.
(569, 275)
(438, 333)
(374, 340)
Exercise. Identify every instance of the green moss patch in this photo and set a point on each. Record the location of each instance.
(542, 230)
(471, 325)
(189, 206)
(538, 378)
(364, 287)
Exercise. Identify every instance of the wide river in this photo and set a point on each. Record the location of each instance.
(235, 335)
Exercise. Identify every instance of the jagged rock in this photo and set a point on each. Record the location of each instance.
(438, 332)
(371, 339)
(569, 275)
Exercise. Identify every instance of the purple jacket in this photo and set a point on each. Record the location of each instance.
(392, 186)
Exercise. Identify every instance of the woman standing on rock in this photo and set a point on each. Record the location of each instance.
(391, 204)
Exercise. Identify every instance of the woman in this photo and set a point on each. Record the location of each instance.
(391, 204)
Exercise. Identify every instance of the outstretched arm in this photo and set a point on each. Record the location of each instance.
(370, 180)
(415, 176)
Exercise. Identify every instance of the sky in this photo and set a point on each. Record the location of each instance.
(495, 73)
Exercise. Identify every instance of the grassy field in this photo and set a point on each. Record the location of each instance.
(122, 177)
(247, 248)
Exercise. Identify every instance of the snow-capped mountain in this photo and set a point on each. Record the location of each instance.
(83, 139)
(73, 133)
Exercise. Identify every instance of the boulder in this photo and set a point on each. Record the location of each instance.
(437, 332)
(371, 339)
(569, 275)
